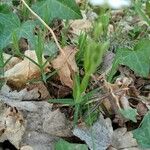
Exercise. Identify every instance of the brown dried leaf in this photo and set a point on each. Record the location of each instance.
(24, 70)
(141, 109)
(79, 25)
(122, 139)
(118, 95)
(66, 65)
(35, 91)
(13, 61)
(14, 126)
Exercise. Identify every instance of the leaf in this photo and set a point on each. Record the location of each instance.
(97, 137)
(142, 134)
(148, 8)
(9, 24)
(15, 127)
(66, 66)
(138, 59)
(10, 61)
(36, 91)
(57, 124)
(123, 139)
(62, 9)
(129, 113)
(64, 145)
(26, 31)
(50, 49)
(8, 2)
(25, 70)
(80, 25)
(62, 101)
(4, 8)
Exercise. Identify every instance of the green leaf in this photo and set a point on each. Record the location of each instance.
(129, 114)
(62, 9)
(138, 8)
(4, 8)
(148, 8)
(8, 2)
(9, 24)
(76, 89)
(64, 145)
(26, 31)
(62, 101)
(142, 134)
(50, 49)
(138, 59)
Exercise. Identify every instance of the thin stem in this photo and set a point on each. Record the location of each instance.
(43, 22)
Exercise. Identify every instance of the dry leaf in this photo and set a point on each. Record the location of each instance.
(56, 124)
(26, 148)
(97, 137)
(35, 91)
(14, 126)
(13, 61)
(123, 139)
(80, 25)
(118, 92)
(66, 65)
(24, 70)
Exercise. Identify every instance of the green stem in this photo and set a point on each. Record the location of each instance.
(85, 82)
(76, 114)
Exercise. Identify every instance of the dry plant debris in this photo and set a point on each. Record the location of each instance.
(66, 66)
(119, 109)
(25, 70)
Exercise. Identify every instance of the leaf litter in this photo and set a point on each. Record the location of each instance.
(28, 121)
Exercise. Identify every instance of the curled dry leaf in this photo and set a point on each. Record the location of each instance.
(14, 126)
(25, 70)
(66, 65)
(35, 91)
(123, 140)
(118, 94)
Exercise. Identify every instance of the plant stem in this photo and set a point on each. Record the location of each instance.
(85, 82)
(43, 22)
(76, 114)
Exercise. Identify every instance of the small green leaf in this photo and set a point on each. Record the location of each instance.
(129, 114)
(62, 101)
(76, 89)
(64, 145)
(62, 9)
(50, 49)
(142, 134)
(138, 59)
(9, 24)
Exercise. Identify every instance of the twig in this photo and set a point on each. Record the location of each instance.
(106, 95)
(43, 22)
